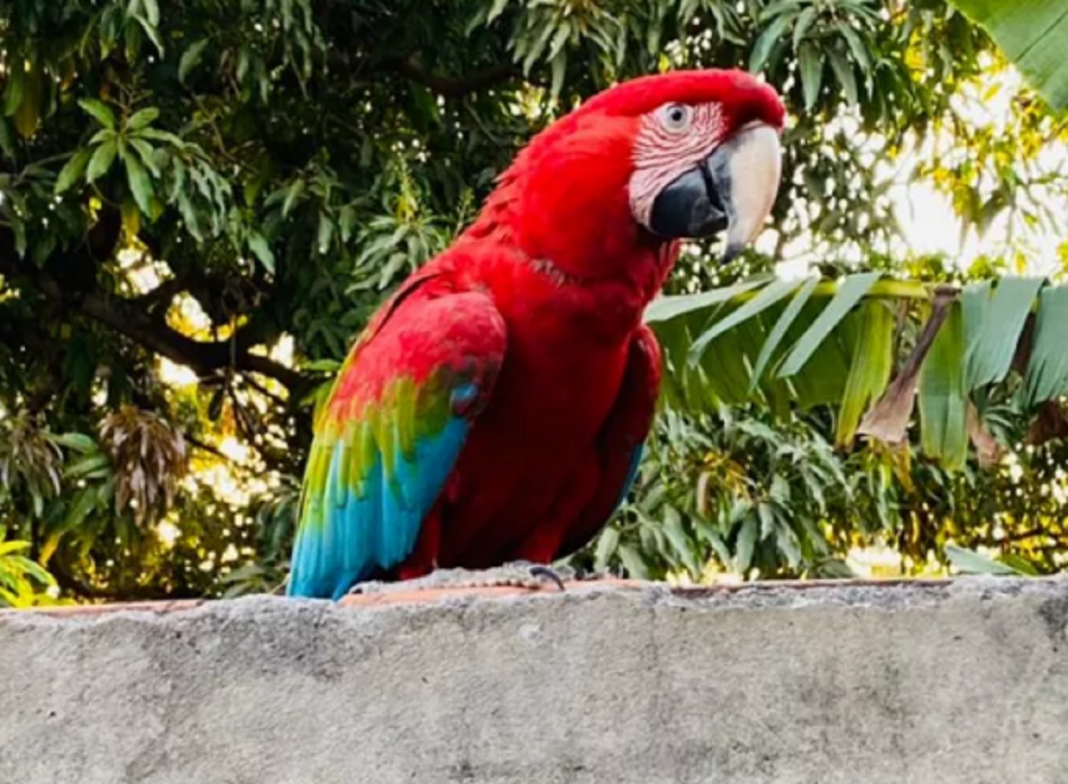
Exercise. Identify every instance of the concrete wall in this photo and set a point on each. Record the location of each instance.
(959, 682)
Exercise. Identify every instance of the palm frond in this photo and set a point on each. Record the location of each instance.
(820, 342)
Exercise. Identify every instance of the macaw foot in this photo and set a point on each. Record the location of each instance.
(536, 575)
(369, 586)
(517, 574)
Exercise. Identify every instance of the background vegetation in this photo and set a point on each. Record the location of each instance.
(202, 201)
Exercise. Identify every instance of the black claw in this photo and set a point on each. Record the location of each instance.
(537, 570)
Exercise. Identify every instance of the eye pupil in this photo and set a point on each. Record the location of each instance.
(677, 116)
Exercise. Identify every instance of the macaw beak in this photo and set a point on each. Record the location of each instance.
(733, 190)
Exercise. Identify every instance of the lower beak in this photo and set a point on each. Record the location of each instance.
(733, 190)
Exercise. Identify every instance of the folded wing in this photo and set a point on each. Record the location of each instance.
(391, 432)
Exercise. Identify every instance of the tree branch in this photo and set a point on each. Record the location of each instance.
(126, 318)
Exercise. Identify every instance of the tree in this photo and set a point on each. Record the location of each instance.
(202, 201)
(984, 363)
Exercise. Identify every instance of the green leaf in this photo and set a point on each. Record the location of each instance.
(633, 562)
(99, 110)
(73, 170)
(747, 538)
(79, 442)
(1019, 563)
(606, 548)
(162, 136)
(971, 562)
(7, 140)
(666, 308)
(496, 10)
(257, 243)
(32, 569)
(849, 293)
(1047, 370)
(856, 46)
(8, 548)
(140, 184)
(147, 155)
(89, 464)
(322, 365)
(724, 368)
(151, 31)
(1032, 35)
(843, 72)
(869, 373)
(151, 11)
(14, 91)
(767, 40)
(803, 23)
(18, 226)
(559, 39)
(190, 59)
(942, 396)
(142, 118)
(84, 503)
(992, 347)
(559, 71)
(325, 233)
(778, 332)
(680, 542)
(293, 193)
(766, 515)
(102, 136)
(771, 294)
(103, 157)
(811, 65)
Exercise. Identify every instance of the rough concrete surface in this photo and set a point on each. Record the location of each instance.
(961, 682)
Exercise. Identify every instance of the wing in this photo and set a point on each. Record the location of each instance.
(390, 433)
(621, 440)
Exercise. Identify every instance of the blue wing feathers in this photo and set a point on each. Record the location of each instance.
(632, 473)
(359, 515)
(348, 537)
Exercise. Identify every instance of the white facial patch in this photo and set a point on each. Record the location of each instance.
(661, 154)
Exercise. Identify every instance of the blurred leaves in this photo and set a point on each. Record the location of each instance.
(21, 579)
(776, 343)
(222, 191)
(149, 458)
(30, 461)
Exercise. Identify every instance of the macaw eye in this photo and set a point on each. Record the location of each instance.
(676, 117)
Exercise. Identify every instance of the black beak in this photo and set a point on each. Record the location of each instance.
(694, 204)
(732, 190)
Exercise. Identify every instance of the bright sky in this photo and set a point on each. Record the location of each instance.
(927, 217)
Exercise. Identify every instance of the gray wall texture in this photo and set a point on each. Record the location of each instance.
(957, 682)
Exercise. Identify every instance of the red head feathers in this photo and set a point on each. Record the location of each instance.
(618, 181)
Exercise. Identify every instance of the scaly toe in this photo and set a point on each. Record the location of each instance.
(544, 572)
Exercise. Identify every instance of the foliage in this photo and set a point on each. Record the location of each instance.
(1032, 36)
(201, 203)
(21, 579)
(761, 498)
(872, 349)
(836, 342)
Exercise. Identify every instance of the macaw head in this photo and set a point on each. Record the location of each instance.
(643, 165)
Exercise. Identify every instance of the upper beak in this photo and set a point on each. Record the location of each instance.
(733, 189)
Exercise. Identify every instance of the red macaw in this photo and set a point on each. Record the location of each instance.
(495, 407)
